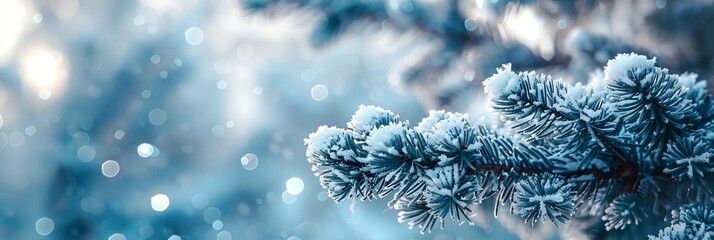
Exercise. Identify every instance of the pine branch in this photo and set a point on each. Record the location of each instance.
(691, 221)
(540, 107)
(585, 149)
(652, 102)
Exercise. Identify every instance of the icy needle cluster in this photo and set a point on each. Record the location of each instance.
(612, 158)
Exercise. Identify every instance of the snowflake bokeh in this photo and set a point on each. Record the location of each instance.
(160, 119)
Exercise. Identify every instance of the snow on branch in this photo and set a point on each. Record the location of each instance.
(642, 143)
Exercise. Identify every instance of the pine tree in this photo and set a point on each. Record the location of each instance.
(608, 158)
(468, 40)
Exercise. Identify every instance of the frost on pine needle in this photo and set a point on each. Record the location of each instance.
(650, 101)
(624, 210)
(448, 193)
(397, 157)
(688, 160)
(368, 118)
(638, 145)
(453, 140)
(335, 158)
(538, 197)
(576, 95)
(691, 221)
(674, 232)
(426, 124)
(502, 83)
(696, 216)
(330, 144)
(620, 67)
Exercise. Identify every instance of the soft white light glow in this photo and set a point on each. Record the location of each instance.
(43, 70)
(160, 202)
(525, 26)
(164, 6)
(294, 186)
(145, 150)
(13, 19)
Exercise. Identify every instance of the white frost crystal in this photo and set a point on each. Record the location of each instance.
(503, 82)
(617, 68)
(369, 117)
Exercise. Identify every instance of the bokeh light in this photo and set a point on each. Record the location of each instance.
(319, 92)
(294, 186)
(44, 71)
(249, 161)
(194, 36)
(145, 150)
(160, 202)
(44, 226)
(110, 168)
(161, 119)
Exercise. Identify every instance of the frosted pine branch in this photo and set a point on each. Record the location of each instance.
(639, 146)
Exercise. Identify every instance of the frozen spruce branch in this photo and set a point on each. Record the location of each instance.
(610, 162)
(689, 222)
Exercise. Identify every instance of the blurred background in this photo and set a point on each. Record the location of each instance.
(161, 119)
